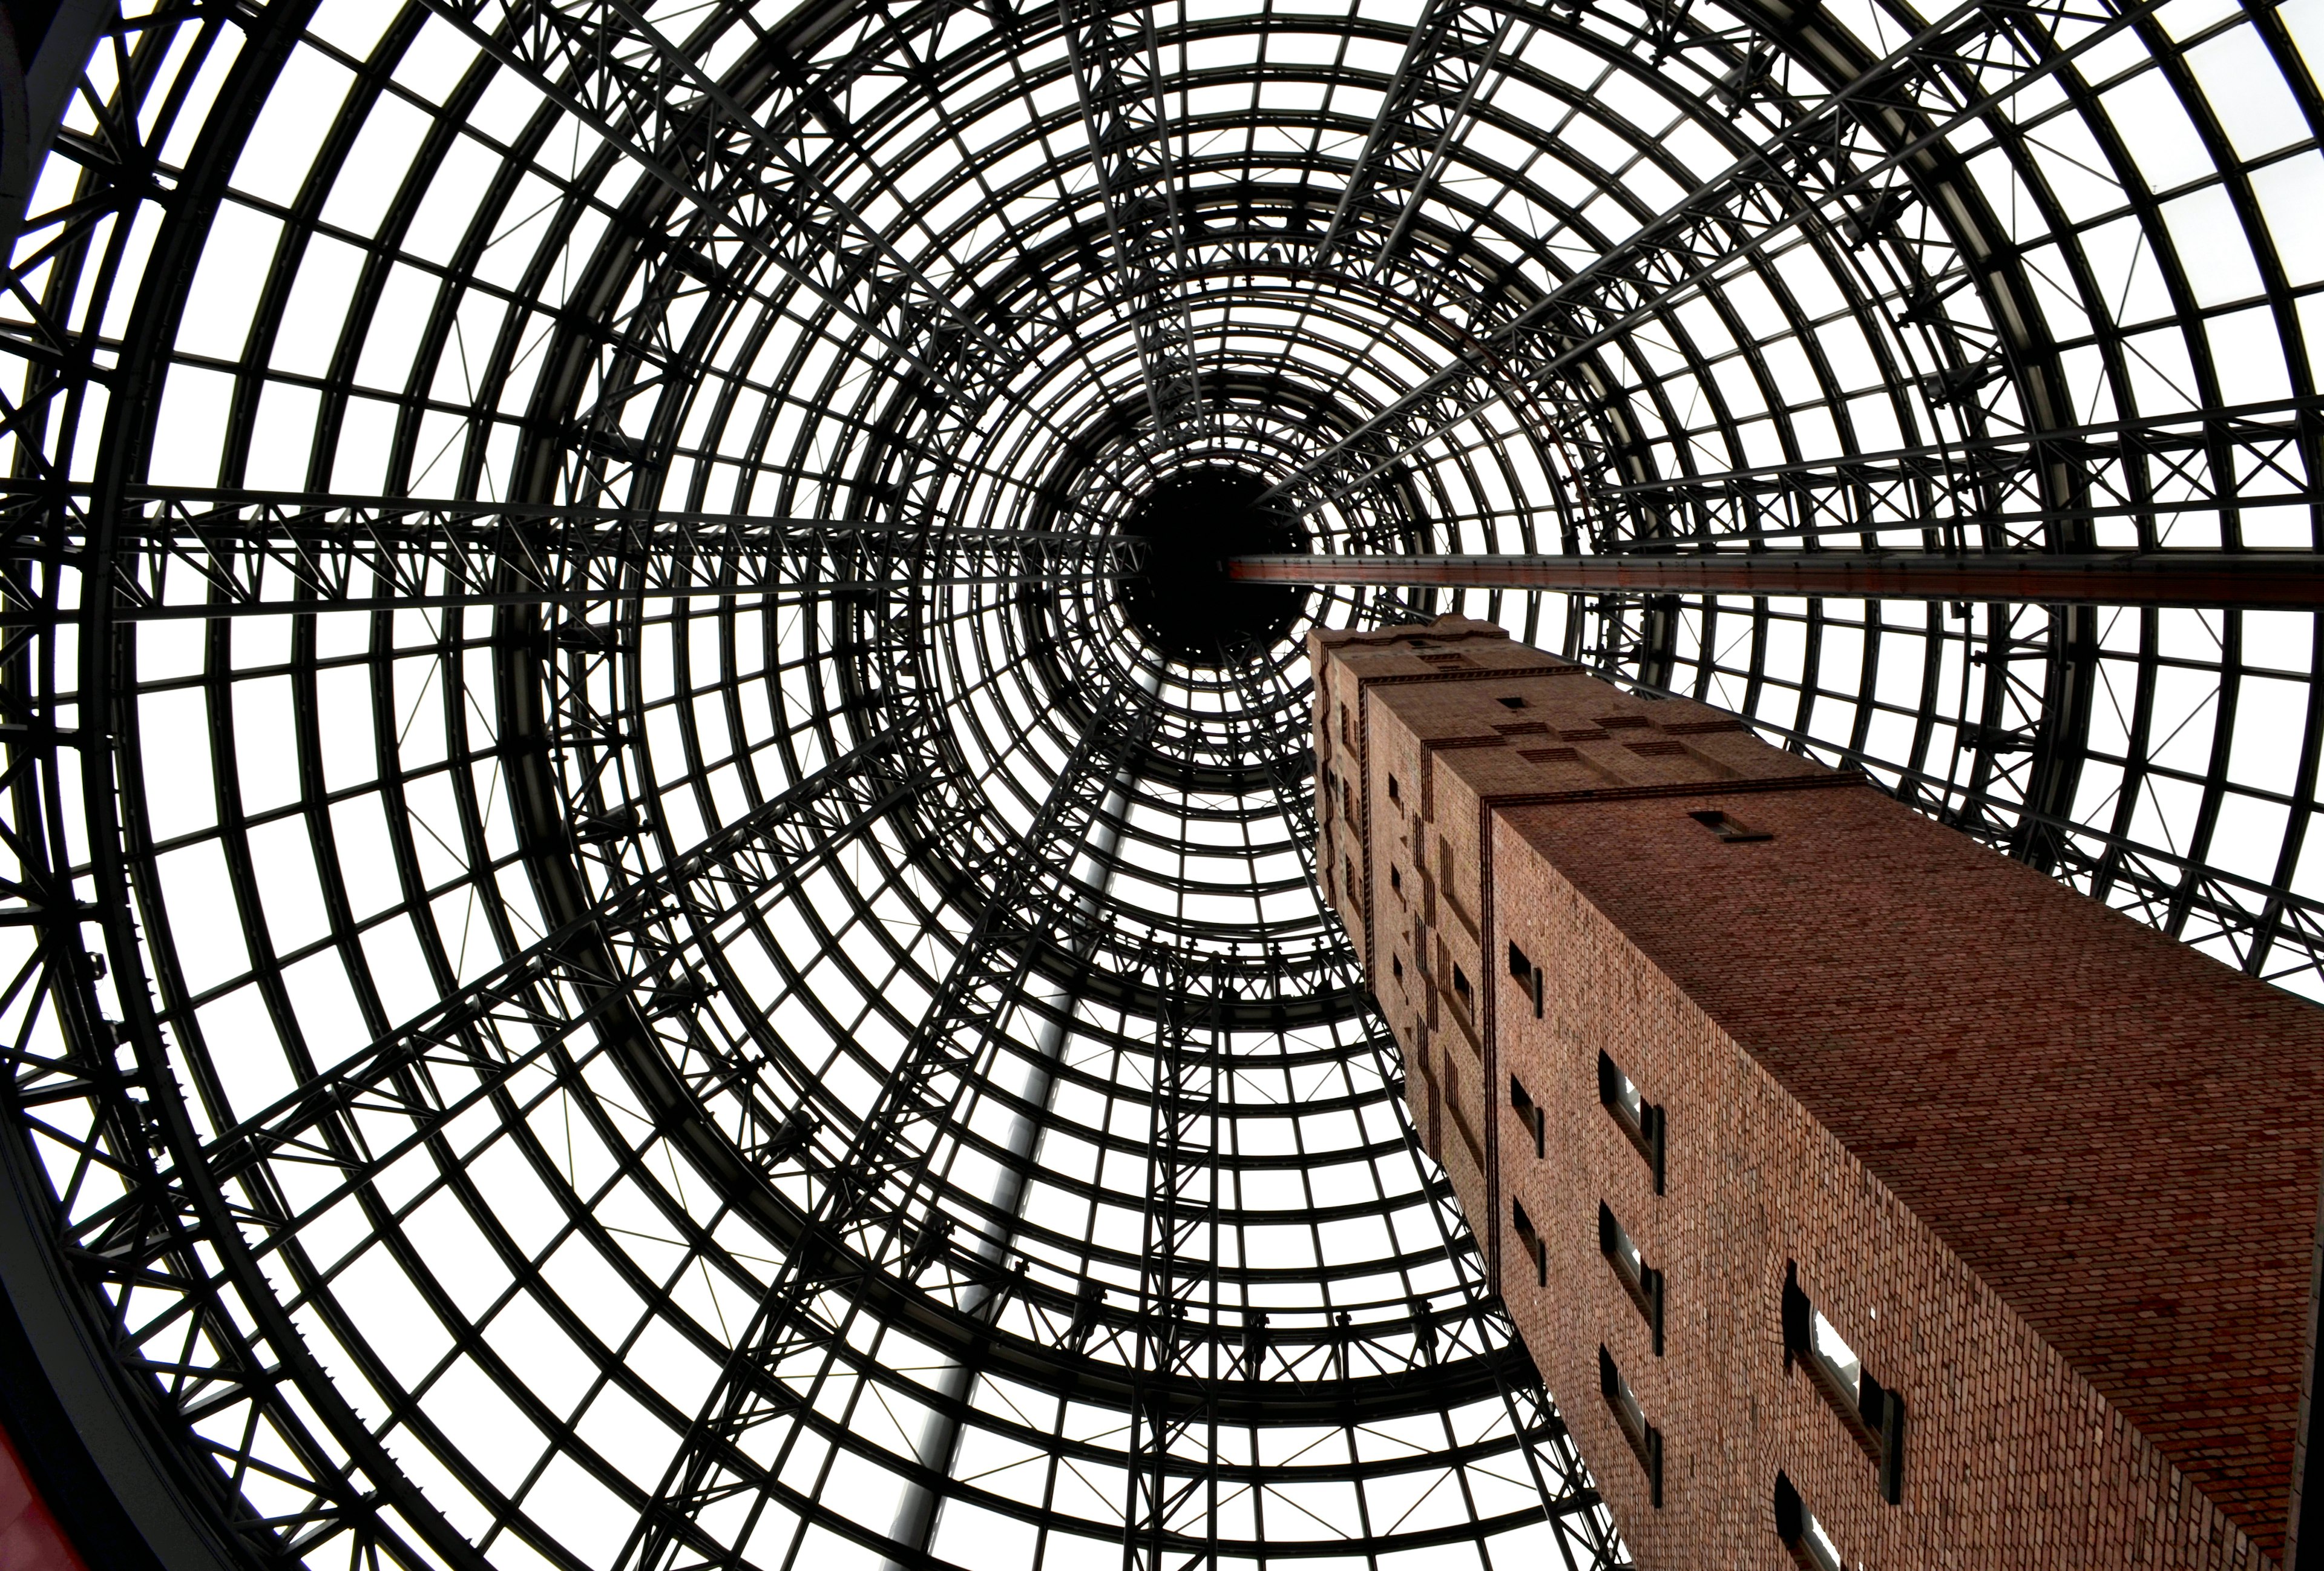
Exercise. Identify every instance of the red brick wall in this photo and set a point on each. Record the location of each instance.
(2054, 1175)
(2012, 1458)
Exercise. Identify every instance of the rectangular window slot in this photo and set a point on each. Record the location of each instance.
(1535, 1250)
(1395, 878)
(1530, 1115)
(1641, 1120)
(1394, 794)
(1872, 1413)
(1348, 882)
(1811, 1546)
(1510, 703)
(1642, 1282)
(1395, 965)
(1727, 828)
(1645, 1440)
(1461, 988)
(1527, 975)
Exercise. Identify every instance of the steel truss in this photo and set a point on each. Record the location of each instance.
(179, 553)
(797, 614)
(1427, 108)
(1841, 162)
(1124, 98)
(2213, 469)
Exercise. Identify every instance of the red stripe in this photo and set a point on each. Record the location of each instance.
(30, 1539)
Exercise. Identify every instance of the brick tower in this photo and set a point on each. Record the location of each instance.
(1865, 1197)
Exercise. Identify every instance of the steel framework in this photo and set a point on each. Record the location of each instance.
(614, 947)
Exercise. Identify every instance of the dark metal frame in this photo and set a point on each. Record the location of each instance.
(744, 723)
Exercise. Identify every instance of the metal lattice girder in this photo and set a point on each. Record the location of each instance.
(749, 174)
(116, 163)
(2281, 580)
(754, 172)
(188, 553)
(1179, 1273)
(1450, 59)
(1118, 71)
(871, 1207)
(510, 303)
(1852, 147)
(2218, 467)
(181, 1235)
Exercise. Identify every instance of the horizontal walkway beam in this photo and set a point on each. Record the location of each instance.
(2259, 581)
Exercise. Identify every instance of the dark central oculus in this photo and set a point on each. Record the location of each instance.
(1184, 602)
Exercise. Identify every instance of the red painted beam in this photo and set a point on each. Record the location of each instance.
(30, 1538)
(2272, 580)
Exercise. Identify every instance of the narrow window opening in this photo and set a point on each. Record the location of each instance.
(1461, 988)
(1810, 1546)
(1727, 828)
(1527, 975)
(1348, 866)
(1510, 703)
(1645, 1440)
(1530, 1112)
(1535, 1250)
(1872, 1413)
(1395, 965)
(1395, 878)
(1641, 1281)
(1641, 1120)
(1394, 794)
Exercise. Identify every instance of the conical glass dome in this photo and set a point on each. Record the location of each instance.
(661, 905)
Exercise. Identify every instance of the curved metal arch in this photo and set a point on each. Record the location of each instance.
(613, 747)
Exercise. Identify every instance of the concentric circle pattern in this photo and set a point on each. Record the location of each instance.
(660, 924)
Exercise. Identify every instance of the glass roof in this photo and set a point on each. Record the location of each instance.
(690, 981)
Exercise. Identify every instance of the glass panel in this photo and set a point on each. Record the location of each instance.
(1838, 1356)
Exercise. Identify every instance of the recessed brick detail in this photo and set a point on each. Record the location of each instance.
(2052, 1175)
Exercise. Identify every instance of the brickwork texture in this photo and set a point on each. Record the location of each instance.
(2052, 1177)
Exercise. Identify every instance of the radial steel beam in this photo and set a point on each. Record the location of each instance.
(872, 1208)
(605, 63)
(1448, 61)
(181, 553)
(1844, 149)
(1117, 71)
(1999, 490)
(1181, 1178)
(917, 1510)
(2275, 580)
